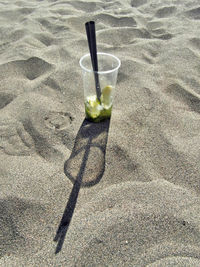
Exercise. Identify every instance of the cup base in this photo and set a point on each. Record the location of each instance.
(97, 119)
(104, 115)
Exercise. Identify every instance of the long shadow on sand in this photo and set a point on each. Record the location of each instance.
(84, 168)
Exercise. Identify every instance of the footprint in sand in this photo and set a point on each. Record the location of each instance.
(137, 3)
(115, 21)
(185, 95)
(45, 38)
(165, 12)
(153, 25)
(85, 6)
(118, 37)
(25, 10)
(52, 25)
(23, 72)
(35, 67)
(40, 142)
(5, 99)
(193, 13)
(31, 68)
(158, 31)
(148, 58)
(58, 120)
(14, 140)
(195, 43)
(16, 13)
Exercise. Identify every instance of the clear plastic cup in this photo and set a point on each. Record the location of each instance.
(98, 108)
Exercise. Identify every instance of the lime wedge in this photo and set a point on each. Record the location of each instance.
(92, 107)
(106, 98)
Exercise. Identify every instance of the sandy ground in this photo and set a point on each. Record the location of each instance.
(124, 192)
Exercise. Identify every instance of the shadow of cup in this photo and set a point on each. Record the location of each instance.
(86, 164)
(84, 168)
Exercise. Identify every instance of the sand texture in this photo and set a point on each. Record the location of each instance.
(124, 192)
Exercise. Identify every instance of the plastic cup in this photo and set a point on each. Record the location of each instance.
(98, 109)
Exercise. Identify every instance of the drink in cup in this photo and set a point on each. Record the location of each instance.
(99, 107)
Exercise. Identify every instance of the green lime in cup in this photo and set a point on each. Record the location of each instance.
(92, 107)
(106, 97)
(99, 110)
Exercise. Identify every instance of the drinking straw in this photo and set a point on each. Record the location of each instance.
(91, 37)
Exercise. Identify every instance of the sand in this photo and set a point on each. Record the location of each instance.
(124, 192)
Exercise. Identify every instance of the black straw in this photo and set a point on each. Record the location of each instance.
(91, 36)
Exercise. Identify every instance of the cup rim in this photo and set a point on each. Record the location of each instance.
(100, 72)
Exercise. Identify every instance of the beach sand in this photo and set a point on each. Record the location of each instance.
(124, 192)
